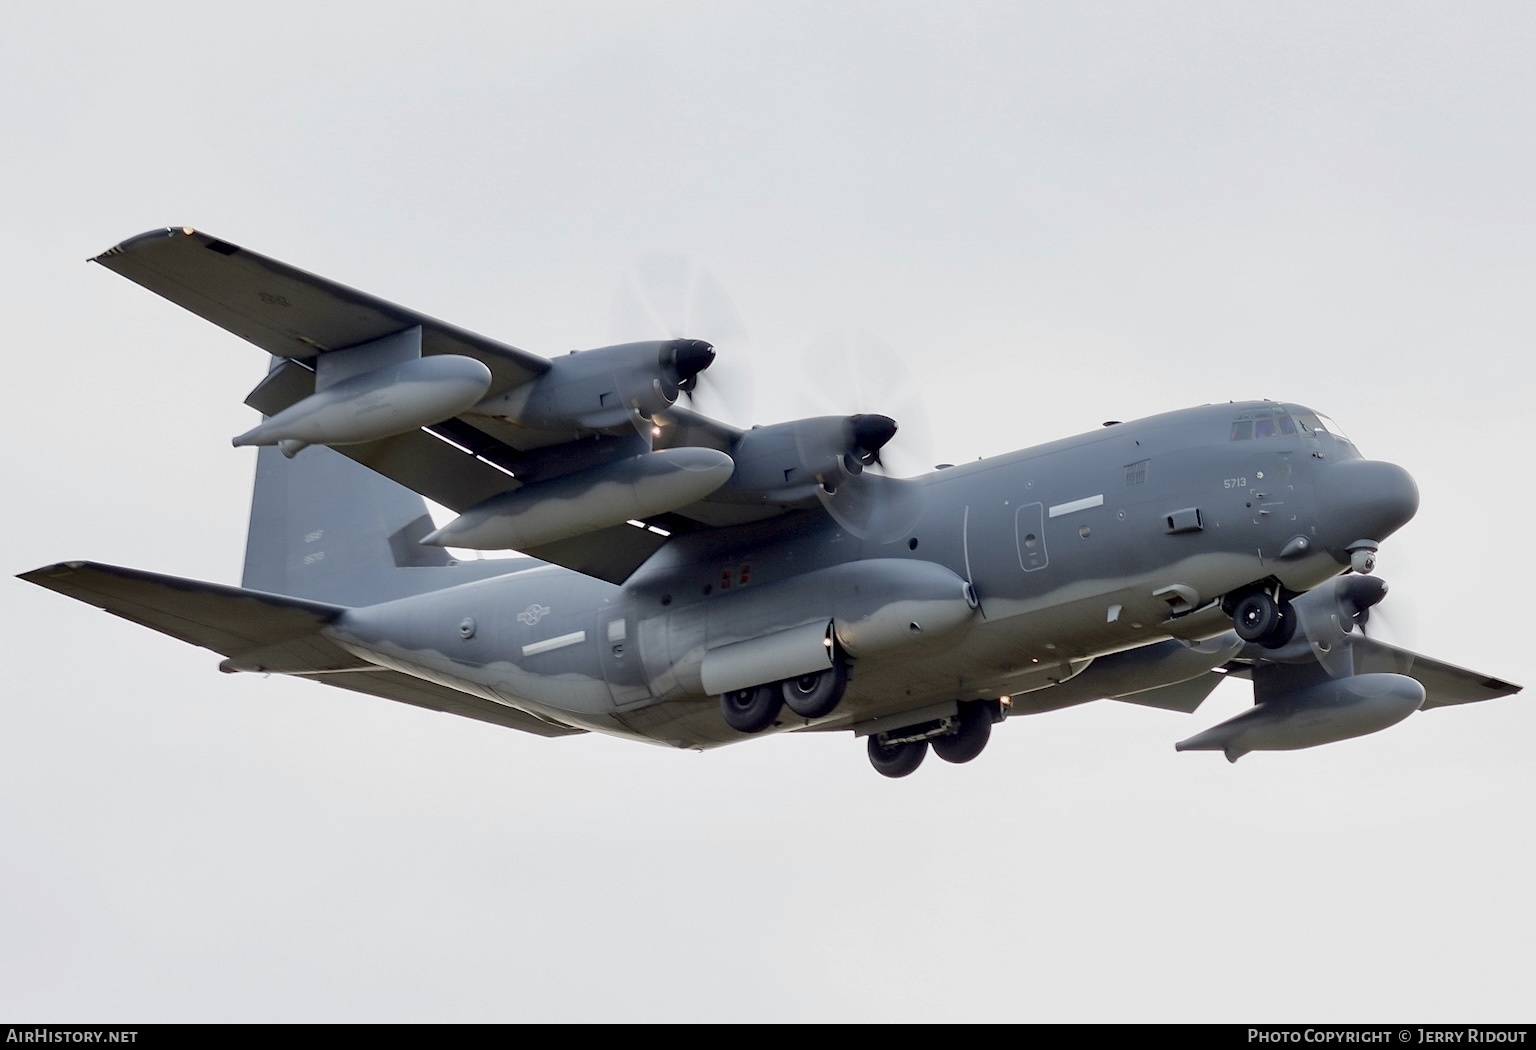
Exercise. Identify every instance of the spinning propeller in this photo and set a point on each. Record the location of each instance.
(851, 371)
(673, 297)
(1331, 619)
(846, 383)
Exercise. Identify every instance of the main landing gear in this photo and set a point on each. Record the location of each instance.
(810, 696)
(958, 738)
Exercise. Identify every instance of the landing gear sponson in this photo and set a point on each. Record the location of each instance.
(957, 738)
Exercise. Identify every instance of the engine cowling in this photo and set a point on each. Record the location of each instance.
(604, 389)
(788, 462)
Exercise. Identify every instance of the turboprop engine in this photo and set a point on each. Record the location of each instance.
(606, 388)
(373, 391)
(794, 462)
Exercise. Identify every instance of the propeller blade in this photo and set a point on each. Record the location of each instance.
(874, 507)
(851, 372)
(673, 297)
(1334, 615)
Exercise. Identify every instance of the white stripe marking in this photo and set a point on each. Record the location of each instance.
(1077, 504)
(548, 644)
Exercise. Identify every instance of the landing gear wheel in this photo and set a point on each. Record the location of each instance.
(816, 695)
(1256, 617)
(896, 760)
(751, 710)
(1287, 628)
(972, 731)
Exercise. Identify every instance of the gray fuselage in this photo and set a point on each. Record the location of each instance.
(1002, 577)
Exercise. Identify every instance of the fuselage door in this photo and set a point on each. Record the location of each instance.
(618, 645)
(1029, 533)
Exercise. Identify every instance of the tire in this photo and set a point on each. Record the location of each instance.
(896, 760)
(1284, 631)
(971, 734)
(816, 695)
(751, 710)
(1256, 617)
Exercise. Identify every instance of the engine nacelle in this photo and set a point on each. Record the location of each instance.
(1322, 713)
(788, 462)
(380, 403)
(603, 389)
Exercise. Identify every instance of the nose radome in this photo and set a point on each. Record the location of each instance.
(1362, 499)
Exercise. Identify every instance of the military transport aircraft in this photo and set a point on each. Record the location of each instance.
(694, 584)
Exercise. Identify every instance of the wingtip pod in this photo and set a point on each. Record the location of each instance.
(1321, 714)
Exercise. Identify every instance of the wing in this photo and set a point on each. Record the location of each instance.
(263, 632)
(587, 435)
(290, 313)
(1444, 684)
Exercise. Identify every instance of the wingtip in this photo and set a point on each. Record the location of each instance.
(142, 239)
(47, 572)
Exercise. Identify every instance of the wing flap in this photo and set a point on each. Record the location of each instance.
(1180, 696)
(289, 312)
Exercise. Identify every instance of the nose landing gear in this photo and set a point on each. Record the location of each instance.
(1260, 618)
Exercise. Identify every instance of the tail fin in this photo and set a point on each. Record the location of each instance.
(327, 528)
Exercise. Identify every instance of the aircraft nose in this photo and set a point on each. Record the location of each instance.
(1362, 499)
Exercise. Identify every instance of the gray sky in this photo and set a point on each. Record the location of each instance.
(1057, 213)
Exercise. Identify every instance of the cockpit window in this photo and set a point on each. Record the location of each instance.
(1333, 428)
(1314, 425)
(1260, 423)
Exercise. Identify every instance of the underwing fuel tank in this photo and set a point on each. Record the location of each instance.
(1328, 711)
(390, 400)
(589, 500)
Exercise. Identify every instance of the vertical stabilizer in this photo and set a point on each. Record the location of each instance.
(327, 528)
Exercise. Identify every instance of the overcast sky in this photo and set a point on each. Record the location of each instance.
(1057, 214)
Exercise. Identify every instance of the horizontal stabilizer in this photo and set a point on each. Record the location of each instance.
(264, 632)
(229, 620)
